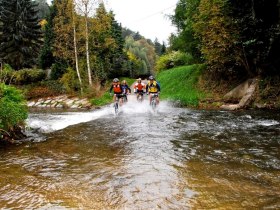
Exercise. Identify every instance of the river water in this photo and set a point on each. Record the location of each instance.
(174, 158)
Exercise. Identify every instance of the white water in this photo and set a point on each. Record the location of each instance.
(47, 122)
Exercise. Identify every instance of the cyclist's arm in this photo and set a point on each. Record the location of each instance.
(158, 87)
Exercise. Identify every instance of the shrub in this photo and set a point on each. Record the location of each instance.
(6, 73)
(44, 89)
(58, 69)
(28, 76)
(173, 59)
(70, 81)
(13, 108)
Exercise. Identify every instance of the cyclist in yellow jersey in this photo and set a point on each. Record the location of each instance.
(153, 88)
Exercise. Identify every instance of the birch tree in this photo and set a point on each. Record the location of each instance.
(86, 8)
(75, 46)
(65, 34)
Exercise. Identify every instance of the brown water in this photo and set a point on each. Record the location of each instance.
(172, 159)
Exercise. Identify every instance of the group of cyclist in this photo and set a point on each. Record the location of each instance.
(121, 89)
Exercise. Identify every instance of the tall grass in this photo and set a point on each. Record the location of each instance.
(180, 84)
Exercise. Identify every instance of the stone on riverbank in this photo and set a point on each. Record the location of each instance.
(61, 102)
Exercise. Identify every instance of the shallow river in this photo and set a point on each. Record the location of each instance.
(173, 158)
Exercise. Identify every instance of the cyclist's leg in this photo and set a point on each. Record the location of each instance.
(114, 97)
(121, 100)
(137, 94)
(141, 95)
(125, 98)
(150, 98)
(157, 99)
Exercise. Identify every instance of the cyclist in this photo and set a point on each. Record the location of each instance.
(139, 88)
(117, 88)
(125, 89)
(153, 88)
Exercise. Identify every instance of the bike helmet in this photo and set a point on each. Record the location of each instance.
(116, 80)
(139, 80)
(151, 77)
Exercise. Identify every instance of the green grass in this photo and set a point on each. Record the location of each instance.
(179, 84)
(103, 100)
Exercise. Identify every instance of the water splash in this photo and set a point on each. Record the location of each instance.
(49, 122)
(53, 121)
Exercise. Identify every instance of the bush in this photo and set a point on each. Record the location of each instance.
(13, 108)
(70, 81)
(58, 69)
(173, 59)
(6, 73)
(28, 76)
(44, 89)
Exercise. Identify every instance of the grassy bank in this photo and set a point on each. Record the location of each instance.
(180, 84)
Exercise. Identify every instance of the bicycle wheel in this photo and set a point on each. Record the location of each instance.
(125, 98)
(141, 97)
(116, 106)
(154, 103)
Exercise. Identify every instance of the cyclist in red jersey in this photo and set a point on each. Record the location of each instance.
(139, 88)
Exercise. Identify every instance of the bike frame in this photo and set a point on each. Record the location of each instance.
(140, 96)
(117, 100)
(116, 105)
(154, 100)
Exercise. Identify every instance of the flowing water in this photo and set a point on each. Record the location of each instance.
(173, 158)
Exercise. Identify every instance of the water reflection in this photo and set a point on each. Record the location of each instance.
(172, 159)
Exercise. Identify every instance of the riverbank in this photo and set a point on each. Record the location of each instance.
(188, 87)
(62, 101)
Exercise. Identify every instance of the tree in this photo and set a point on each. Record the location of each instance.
(65, 34)
(183, 19)
(85, 7)
(20, 33)
(217, 34)
(46, 58)
(158, 47)
(259, 35)
(43, 9)
(103, 43)
(140, 52)
(63, 31)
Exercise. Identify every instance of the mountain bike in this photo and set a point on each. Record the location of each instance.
(116, 105)
(124, 97)
(140, 96)
(120, 99)
(154, 100)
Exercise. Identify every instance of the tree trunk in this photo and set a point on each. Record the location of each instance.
(76, 53)
(87, 47)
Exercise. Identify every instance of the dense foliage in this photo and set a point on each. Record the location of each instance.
(13, 109)
(173, 59)
(20, 33)
(235, 38)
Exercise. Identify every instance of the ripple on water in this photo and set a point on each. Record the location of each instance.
(169, 159)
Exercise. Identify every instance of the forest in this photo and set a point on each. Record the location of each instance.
(69, 47)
